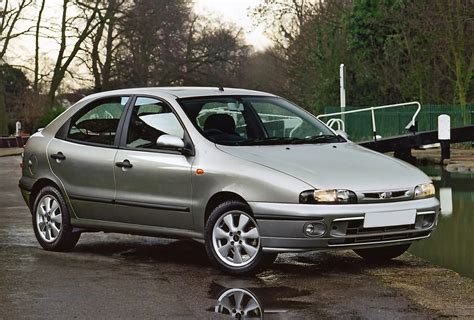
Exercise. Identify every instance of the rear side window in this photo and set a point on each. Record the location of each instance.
(98, 122)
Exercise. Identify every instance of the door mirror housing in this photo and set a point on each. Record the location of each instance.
(343, 134)
(168, 141)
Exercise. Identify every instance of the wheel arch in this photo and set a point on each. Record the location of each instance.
(37, 186)
(219, 198)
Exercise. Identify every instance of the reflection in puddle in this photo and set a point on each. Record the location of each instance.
(451, 244)
(239, 304)
(255, 302)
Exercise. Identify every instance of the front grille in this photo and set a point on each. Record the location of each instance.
(379, 238)
(385, 196)
(351, 230)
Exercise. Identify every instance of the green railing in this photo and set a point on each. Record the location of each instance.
(392, 122)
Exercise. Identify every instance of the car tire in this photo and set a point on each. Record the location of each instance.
(52, 221)
(382, 254)
(232, 240)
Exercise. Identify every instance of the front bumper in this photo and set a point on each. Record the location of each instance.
(281, 225)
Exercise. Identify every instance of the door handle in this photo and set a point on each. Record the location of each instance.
(124, 164)
(58, 156)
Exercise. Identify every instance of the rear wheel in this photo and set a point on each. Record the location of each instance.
(52, 222)
(383, 253)
(233, 239)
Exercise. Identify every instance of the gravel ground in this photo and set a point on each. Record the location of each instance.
(125, 277)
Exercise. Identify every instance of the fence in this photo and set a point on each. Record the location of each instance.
(392, 122)
(13, 142)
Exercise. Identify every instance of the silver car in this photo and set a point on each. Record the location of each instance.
(247, 173)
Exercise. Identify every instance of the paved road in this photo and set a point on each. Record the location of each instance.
(123, 277)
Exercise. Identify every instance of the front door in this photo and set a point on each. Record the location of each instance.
(153, 184)
(83, 155)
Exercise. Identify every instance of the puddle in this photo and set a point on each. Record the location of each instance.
(451, 245)
(255, 302)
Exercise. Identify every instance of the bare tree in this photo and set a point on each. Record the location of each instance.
(82, 24)
(284, 18)
(103, 42)
(37, 46)
(164, 43)
(10, 15)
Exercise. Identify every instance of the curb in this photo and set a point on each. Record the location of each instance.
(10, 152)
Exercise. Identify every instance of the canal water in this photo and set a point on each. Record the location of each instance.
(452, 244)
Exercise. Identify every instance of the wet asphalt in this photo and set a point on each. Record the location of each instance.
(113, 276)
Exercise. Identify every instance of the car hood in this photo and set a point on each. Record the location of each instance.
(335, 165)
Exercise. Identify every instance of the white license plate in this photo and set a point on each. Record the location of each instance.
(389, 218)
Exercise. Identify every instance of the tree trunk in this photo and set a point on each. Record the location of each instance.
(53, 88)
(38, 25)
(96, 59)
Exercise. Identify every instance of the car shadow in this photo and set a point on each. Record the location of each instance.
(149, 250)
(188, 252)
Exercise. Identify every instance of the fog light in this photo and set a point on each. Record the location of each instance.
(314, 229)
(427, 221)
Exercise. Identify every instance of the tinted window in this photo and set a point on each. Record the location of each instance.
(150, 119)
(98, 122)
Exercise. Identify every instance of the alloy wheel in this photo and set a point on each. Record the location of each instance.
(49, 218)
(236, 239)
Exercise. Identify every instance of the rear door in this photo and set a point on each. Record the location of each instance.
(82, 157)
(154, 186)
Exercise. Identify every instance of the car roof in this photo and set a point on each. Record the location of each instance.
(184, 92)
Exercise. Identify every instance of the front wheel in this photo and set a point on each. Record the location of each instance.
(233, 239)
(383, 253)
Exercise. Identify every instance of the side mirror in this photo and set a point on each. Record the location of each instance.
(168, 141)
(343, 134)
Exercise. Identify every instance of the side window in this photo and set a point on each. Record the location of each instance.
(98, 122)
(150, 119)
(213, 114)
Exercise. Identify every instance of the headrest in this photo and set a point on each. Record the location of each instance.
(220, 121)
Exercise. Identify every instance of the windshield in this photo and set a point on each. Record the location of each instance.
(249, 120)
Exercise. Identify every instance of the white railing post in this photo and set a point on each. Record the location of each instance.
(342, 92)
(374, 127)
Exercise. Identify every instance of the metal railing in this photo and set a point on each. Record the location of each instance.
(341, 125)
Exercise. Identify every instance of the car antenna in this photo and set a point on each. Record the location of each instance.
(221, 89)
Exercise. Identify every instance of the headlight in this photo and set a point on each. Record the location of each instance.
(332, 196)
(425, 190)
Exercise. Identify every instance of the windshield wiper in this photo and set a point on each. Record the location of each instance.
(287, 140)
(267, 141)
(324, 138)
